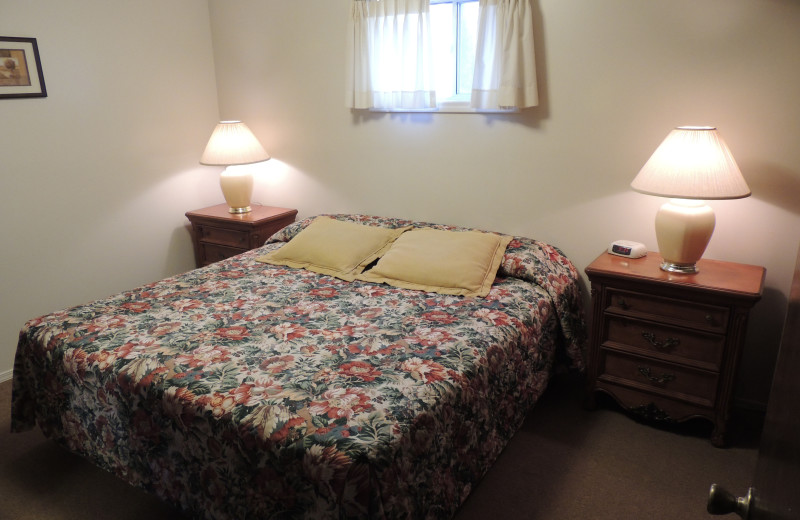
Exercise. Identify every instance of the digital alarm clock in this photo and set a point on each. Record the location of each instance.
(627, 249)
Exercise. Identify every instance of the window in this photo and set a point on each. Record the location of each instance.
(454, 33)
(460, 55)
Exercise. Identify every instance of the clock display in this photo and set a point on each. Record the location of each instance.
(620, 250)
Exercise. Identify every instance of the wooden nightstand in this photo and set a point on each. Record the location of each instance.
(666, 345)
(218, 234)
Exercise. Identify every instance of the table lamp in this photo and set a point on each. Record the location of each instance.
(693, 164)
(232, 144)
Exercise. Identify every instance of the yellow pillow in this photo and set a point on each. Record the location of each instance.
(447, 262)
(333, 247)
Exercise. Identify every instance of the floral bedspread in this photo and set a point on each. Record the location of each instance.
(245, 390)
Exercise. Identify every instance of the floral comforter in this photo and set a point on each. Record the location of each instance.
(245, 390)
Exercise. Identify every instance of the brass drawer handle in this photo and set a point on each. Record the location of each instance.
(664, 379)
(667, 344)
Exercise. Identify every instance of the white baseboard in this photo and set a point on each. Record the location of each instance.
(6, 376)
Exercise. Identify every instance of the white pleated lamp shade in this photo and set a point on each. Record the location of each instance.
(693, 162)
(232, 143)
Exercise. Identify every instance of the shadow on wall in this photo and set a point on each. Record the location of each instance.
(176, 258)
(757, 362)
(533, 117)
(775, 184)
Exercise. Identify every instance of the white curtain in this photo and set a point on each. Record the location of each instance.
(505, 66)
(390, 58)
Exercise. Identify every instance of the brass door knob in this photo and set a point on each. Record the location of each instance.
(722, 502)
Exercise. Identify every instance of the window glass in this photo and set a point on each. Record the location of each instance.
(467, 36)
(443, 49)
(454, 28)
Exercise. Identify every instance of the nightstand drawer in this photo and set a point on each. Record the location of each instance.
(228, 237)
(683, 312)
(674, 381)
(686, 344)
(214, 253)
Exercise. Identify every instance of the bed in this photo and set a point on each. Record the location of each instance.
(248, 389)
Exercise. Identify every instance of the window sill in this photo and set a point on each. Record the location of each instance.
(453, 107)
(450, 108)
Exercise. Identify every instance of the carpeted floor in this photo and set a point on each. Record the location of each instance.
(565, 463)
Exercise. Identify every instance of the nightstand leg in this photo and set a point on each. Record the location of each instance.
(718, 435)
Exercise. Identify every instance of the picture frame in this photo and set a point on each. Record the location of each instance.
(20, 68)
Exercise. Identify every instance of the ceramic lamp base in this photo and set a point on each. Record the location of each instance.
(237, 187)
(683, 229)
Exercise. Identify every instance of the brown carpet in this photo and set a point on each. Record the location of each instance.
(565, 463)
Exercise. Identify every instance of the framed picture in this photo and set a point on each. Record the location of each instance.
(20, 68)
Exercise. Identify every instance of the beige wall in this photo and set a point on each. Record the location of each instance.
(95, 178)
(615, 77)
